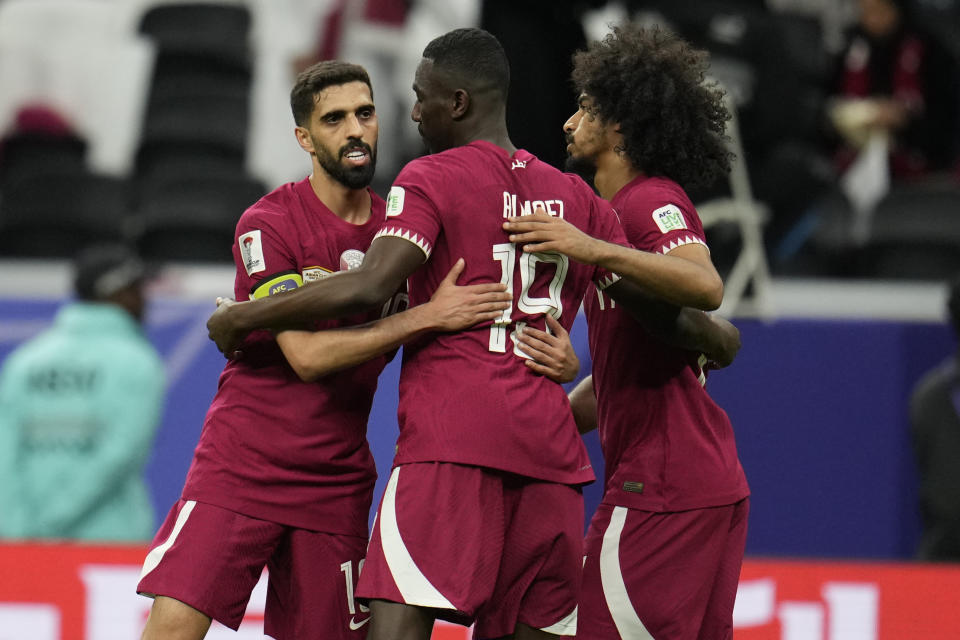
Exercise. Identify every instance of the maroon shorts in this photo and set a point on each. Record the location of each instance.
(669, 576)
(211, 558)
(478, 544)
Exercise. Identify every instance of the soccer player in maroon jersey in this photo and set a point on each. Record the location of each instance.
(282, 476)
(482, 517)
(664, 550)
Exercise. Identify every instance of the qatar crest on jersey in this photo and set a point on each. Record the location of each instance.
(350, 259)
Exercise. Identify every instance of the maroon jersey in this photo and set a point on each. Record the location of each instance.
(274, 447)
(467, 397)
(667, 446)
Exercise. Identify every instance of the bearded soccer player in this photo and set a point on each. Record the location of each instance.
(664, 550)
(482, 517)
(282, 476)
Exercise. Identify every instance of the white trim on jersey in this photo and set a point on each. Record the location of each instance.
(156, 554)
(679, 242)
(609, 279)
(611, 578)
(566, 626)
(412, 584)
(394, 232)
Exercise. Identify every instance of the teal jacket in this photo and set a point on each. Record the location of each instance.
(79, 406)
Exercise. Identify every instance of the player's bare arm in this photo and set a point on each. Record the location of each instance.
(583, 404)
(385, 266)
(552, 353)
(451, 308)
(681, 327)
(685, 277)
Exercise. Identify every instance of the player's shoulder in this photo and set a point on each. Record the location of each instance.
(378, 206)
(651, 193)
(270, 209)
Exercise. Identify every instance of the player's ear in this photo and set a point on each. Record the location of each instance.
(303, 139)
(461, 104)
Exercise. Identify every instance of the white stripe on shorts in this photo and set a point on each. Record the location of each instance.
(566, 626)
(611, 577)
(410, 581)
(156, 554)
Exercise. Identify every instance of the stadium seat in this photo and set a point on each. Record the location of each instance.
(915, 233)
(186, 73)
(193, 219)
(164, 162)
(218, 30)
(214, 118)
(52, 215)
(31, 153)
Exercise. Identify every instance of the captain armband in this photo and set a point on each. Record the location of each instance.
(277, 283)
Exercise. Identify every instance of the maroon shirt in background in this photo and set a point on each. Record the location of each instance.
(274, 447)
(467, 397)
(658, 425)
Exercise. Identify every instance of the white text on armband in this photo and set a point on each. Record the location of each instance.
(512, 207)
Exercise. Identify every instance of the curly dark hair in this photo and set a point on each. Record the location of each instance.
(651, 82)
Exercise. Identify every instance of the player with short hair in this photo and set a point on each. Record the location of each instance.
(482, 517)
(664, 550)
(282, 476)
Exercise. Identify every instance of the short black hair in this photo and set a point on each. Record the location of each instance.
(318, 77)
(101, 270)
(651, 83)
(473, 57)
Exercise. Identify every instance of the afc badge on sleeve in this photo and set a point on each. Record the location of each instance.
(251, 252)
(669, 218)
(395, 201)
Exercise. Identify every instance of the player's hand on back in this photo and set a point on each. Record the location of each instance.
(553, 355)
(543, 233)
(453, 308)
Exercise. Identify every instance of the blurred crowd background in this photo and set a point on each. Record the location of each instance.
(159, 121)
(155, 123)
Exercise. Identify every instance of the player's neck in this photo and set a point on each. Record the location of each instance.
(350, 205)
(494, 133)
(614, 172)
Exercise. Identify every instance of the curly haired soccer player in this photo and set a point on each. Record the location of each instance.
(664, 550)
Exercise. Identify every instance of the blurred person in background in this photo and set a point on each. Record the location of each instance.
(79, 407)
(935, 421)
(894, 80)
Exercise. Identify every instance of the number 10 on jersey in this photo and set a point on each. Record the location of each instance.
(506, 254)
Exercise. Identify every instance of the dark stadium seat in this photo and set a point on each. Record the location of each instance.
(162, 162)
(915, 233)
(191, 73)
(220, 30)
(203, 117)
(193, 219)
(28, 154)
(52, 215)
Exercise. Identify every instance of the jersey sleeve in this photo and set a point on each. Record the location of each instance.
(661, 224)
(412, 211)
(605, 225)
(265, 263)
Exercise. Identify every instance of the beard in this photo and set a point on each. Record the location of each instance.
(350, 177)
(583, 167)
